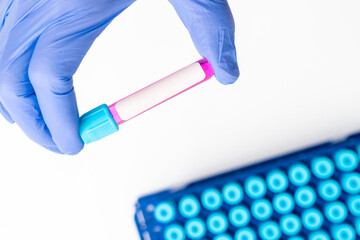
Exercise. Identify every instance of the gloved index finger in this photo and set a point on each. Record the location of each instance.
(57, 55)
(55, 94)
(60, 113)
(211, 26)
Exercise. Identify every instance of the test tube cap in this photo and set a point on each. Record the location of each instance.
(97, 124)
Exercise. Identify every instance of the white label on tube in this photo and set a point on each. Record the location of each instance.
(160, 91)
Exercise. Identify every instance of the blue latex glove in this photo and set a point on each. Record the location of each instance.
(42, 43)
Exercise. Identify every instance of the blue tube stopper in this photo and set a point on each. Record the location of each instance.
(97, 124)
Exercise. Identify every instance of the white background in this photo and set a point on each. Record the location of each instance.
(299, 85)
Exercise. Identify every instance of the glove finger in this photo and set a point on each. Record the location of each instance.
(57, 55)
(16, 92)
(5, 114)
(59, 108)
(211, 26)
(22, 104)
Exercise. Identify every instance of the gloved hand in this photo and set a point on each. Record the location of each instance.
(42, 43)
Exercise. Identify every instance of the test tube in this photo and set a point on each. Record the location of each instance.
(104, 120)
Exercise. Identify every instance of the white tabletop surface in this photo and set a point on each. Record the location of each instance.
(299, 85)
